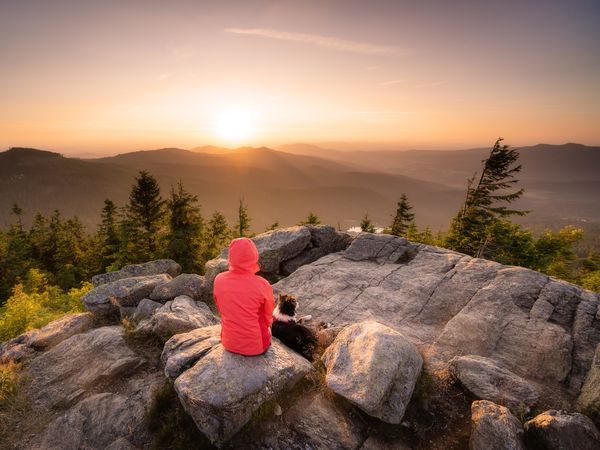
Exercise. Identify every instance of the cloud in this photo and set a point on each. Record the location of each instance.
(391, 82)
(315, 39)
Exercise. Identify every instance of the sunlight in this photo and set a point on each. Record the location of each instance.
(235, 124)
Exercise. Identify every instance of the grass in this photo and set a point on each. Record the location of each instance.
(172, 428)
(15, 408)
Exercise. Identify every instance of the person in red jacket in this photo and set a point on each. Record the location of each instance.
(245, 302)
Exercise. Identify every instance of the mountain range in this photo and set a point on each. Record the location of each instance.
(561, 182)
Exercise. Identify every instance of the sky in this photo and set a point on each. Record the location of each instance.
(111, 76)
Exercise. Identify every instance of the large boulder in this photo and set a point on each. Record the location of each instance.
(107, 298)
(188, 284)
(183, 350)
(487, 380)
(589, 399)
(100, 421)
(79, 364)
(61, 329)
(157, 267)
(223, 389)
(560, 430)
(145, 309)
(375, 368)
(541, 329)
(493, 427)
(178, 316)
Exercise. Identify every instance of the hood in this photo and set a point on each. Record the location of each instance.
(243, 256)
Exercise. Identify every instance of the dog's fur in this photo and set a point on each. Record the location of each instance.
(287, 329)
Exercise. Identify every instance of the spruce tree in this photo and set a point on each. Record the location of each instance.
(311, 219)
(403, 217)
(145, 214)
(108, 235)
(242, 225)
(366, 224)
(216, 237)
(184, 234)
(472, 229)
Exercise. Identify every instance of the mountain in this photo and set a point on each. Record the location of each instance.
(275, 185)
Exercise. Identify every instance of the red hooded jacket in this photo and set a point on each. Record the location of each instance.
(245, 301)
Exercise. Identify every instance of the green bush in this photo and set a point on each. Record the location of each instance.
(34, 304)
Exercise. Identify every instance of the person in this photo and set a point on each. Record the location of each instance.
(245, 302)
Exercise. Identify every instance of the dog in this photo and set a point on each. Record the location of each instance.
(288, 330)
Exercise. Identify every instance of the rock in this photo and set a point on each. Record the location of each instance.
(589, 399)
(61, 329)
(160, 266)
(145, 309)
(223, 389)
(375, 368)
(487, 380)
(99, 422)
(326, 336)
(188, 284)
(16, 349)
(560, 430)
(183, 350)
(381, 248)
(324, 239)
(106, 299)
(211, 269)
(493, 427)
(178, 316)
(80, 363)
(377, 443)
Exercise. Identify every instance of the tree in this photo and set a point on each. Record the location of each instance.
(144, 214)
(242, 225)
(216, 237)
(486, 202)
(273, 226)
(108, 234)
(15, 254)
(184, 236)
(366, 224)
(403, 217)
(311, 219)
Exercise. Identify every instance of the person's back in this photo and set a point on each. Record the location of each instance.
(245, 302)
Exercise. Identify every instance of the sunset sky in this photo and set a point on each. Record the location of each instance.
(110, 76)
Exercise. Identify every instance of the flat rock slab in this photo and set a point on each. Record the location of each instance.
(375, 368)
(222, 390)
(59, 330)
(64, 374)
(178, 316)
(183, 350)
(156, 267)
(493, 427)
(106, 299)
(560, 430)
(486, 380)
(188, 284)
(100, 421)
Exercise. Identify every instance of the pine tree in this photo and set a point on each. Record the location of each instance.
(311, 219)
(273, 226)
(15, 254)
(366, 224)
(184, 234)
(403, 217)
(242, 225)
(471, 230)
(108, 235)
(217, 236)
(144, 213)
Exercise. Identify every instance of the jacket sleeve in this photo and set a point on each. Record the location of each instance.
(269, 305)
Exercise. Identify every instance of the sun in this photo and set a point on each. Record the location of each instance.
(235, 124)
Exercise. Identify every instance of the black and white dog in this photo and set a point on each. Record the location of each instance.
(287, 329)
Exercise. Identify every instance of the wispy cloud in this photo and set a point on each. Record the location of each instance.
(392, 82)
(315, 39)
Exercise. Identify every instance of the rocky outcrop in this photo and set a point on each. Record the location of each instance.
(178, 316)
(373, 367)
(488, 381)
(106, 299)
(145, 309)
(282, 251)
(222, 389)
(188, 284)
(157, 267)
(493, 427)
(559, 430)
(183, 350)
(541, 329)
(65, 373)
(589, 399)
(59, 330)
